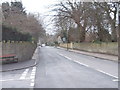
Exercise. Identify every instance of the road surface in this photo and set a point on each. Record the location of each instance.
(59, 68)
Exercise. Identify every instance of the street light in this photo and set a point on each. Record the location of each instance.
(67, 39)
(118, 8)
(118, 17)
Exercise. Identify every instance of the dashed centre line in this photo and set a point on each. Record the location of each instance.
(106, 73)
(89, 66)
(116, 80)
(74, 60)
(81, 63)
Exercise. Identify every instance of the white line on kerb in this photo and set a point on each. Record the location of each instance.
(24, 74)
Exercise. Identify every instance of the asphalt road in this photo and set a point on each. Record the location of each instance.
(59, 68)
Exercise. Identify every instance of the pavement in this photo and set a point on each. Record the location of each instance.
(21, 65)
(96, 55)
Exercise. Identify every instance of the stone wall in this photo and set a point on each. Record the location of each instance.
(23, 50)
(107, 48)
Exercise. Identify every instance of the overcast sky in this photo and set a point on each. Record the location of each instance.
(41, 7)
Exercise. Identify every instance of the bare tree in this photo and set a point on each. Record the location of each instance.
(16, 17)
(111, 8)
(98, 22)
(75, 11)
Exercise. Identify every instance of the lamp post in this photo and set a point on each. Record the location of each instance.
(118, 31)
(67, 39)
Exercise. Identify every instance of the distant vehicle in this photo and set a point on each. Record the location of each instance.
(43, 45)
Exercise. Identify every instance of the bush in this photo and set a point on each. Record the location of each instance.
(11, 34)
(97, 41)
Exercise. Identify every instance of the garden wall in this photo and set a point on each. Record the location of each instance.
(107, 48)
(23, 50)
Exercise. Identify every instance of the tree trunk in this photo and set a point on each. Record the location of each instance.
(100, 32)
(114, 33)
(81, 31)
(78, 27)
(82, 35)
(113, 27)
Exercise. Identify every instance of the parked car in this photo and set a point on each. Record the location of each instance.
(43, 45)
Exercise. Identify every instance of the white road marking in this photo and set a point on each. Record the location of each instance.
(24, 74)
(67, 57)
(106, 73)
(32, 77)
(59, 53)
(7, 80)
(13, 80)
(74, 60)
(32, 84)
(93, 57)
(81, 63)
(23, 77)
(33, 74)
(116, 80)
(88, 66)
(34, 68)
(32, 80)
